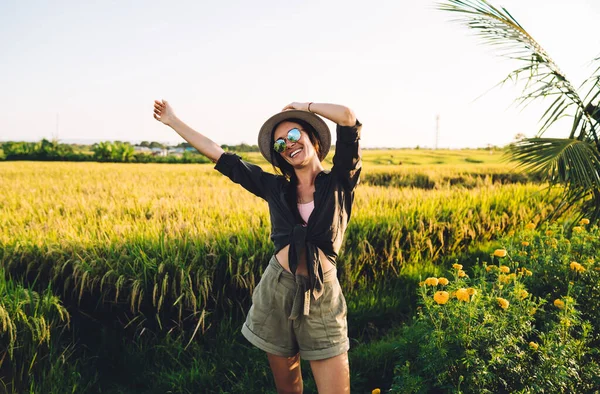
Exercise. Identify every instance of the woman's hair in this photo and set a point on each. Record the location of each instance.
(287, 170)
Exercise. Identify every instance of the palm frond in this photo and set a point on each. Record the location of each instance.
(541, 75)
(568, 161)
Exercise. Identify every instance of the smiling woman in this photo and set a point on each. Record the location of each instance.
(298, 307)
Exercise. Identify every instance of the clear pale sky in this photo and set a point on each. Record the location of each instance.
(227, 66)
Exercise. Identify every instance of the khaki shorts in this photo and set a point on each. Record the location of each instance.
(321, 334)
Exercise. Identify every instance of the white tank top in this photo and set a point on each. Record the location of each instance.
(305, 210)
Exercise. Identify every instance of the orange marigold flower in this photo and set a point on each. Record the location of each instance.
(461, 274)
(525, 243)
(523, 294)
(502, 303)
(490, 267)
(528, 273)
(549, 233)
(584, 221)
(441, 297)
(530, 226)
(471, 291)
(559, 304)
(457, 266)
(431, 281)
(504, 269)
(533, 345)
(462, 295)
(443, 281)
(500, 252)
(376, 391)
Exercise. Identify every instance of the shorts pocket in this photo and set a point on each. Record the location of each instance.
(262, 303)
(335, 302)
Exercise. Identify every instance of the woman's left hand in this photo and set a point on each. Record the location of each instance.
(300, 106)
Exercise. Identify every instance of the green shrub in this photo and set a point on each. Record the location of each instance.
(482, 335)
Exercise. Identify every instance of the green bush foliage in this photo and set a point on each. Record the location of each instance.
(516, 326)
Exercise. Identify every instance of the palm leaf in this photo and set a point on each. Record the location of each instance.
(570, 162)
(541, 75)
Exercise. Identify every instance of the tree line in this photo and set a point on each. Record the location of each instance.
(107, 151)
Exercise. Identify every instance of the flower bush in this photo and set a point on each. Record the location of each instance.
(528, 324)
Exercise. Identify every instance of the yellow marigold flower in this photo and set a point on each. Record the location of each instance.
(530, 226)
(523, 294)
(457, 266)
(528, 273)
(584, 221)
(565, 322)
(577, 229)
(504, 269)
(559, 304)
(503, 278)
(525, 243)
(376, 391)
(441, 297)
(490, 267)
(549, 233)
(461, 274)
(462, 295)
(500, 252)
(421, 283)
(431, 281)
(503, 303)
(575, 266)
(532, 311)
(443, 281)
(471, 291)
(533, 345)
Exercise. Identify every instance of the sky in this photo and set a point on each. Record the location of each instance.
(91, 70)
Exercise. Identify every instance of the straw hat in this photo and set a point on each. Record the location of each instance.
(265, 143)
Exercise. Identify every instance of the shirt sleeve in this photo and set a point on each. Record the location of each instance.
(250, 176)
(347, 160)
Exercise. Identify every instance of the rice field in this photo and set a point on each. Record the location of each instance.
(176, 250)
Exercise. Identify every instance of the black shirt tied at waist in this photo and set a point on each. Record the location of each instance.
(333, 198)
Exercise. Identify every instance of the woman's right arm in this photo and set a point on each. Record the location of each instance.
(164, 113)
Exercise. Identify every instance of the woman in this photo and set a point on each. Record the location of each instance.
(298, 308)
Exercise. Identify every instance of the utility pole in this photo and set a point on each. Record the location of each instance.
(437, 130)
(56, 132)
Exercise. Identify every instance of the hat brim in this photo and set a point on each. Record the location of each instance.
(265, 144)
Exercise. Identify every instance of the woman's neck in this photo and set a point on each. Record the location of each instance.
(307, 174)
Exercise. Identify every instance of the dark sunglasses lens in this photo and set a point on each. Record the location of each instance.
(279, 146)
(294, 135)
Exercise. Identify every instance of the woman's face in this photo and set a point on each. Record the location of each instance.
(299, 153)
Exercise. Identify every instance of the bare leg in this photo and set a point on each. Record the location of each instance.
(287, 374)
(332, 375)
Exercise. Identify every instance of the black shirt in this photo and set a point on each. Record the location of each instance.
(333, 198)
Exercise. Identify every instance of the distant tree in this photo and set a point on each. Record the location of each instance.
(103, 151)
(155, 144)
(145, 144)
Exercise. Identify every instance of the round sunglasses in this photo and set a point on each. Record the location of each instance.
(293, 136)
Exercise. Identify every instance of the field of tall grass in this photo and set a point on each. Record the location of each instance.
(150, 267)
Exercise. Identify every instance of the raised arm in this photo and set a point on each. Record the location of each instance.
(338, 114)
(164, 113)
(347, 160)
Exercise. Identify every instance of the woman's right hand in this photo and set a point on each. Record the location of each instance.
(163, 112)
